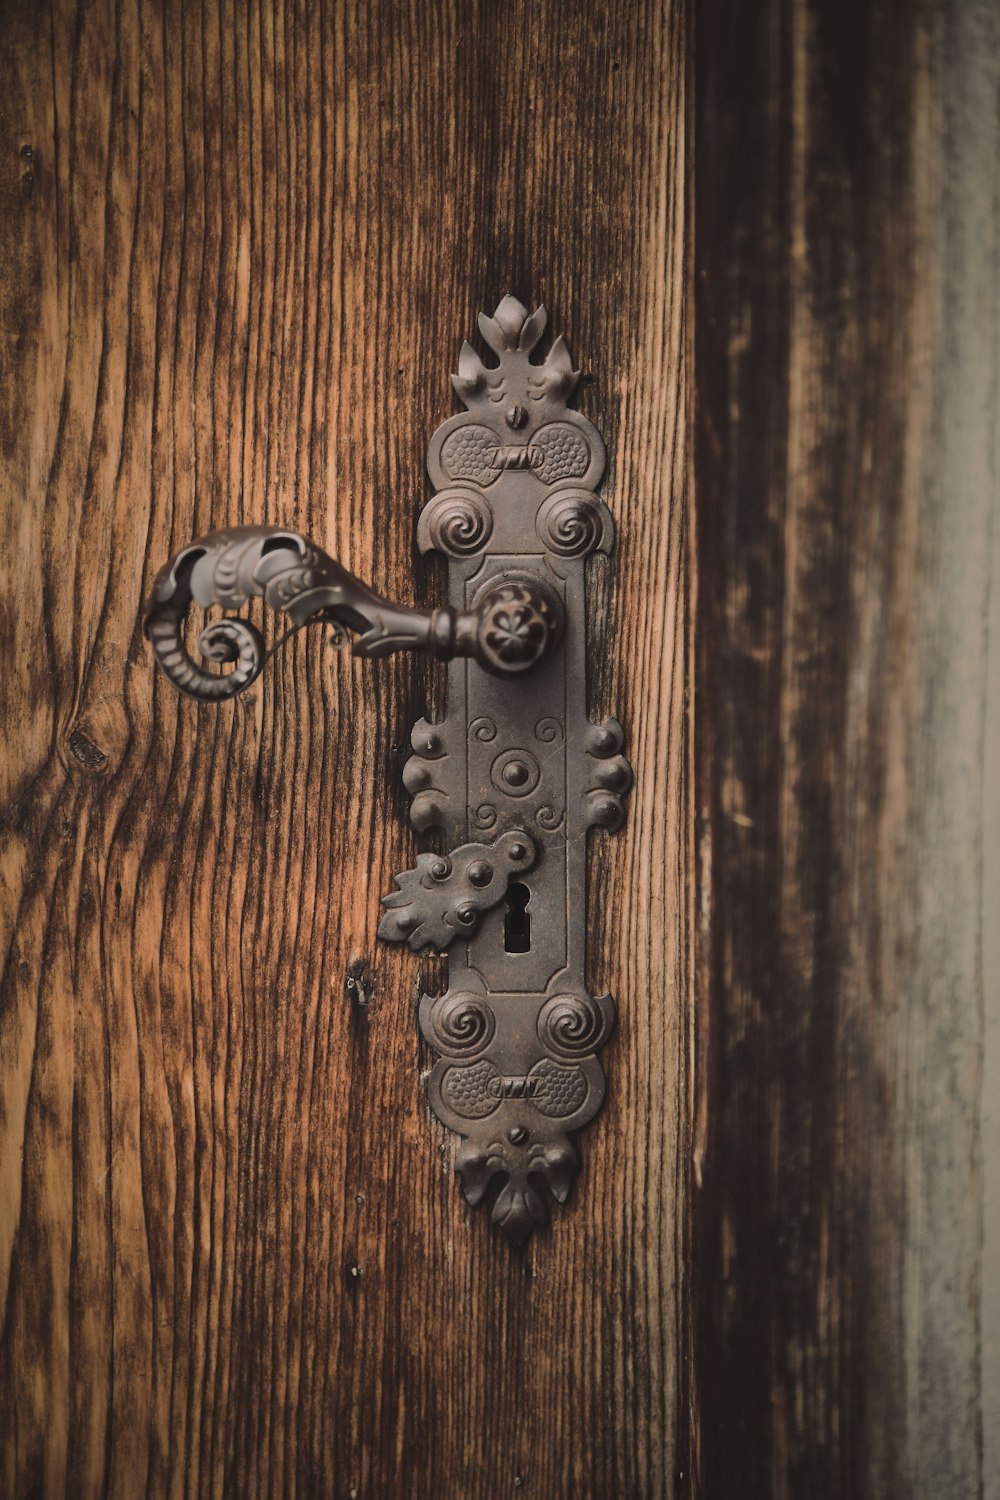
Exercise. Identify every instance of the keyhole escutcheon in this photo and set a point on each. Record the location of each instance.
(516, 922)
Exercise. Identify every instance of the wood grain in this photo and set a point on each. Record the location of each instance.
(240, 247)
(847, 352)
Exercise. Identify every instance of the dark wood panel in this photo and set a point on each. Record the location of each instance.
(846, 241)
(241, 245)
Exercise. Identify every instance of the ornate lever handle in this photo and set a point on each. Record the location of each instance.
(516, 624)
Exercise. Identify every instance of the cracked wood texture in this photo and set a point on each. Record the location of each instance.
(846, 1338)
(241, 245)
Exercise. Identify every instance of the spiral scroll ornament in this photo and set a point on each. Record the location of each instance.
(461, 1023)
(484, 815)
(573, 1025)
(573, 523)
(457, 522)
(549, 731)
(224, 641)
(483, 729)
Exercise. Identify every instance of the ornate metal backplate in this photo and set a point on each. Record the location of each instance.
(516, 1033)
(516, 774)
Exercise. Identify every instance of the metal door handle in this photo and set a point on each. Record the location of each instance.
(514, 775)
(513, 627)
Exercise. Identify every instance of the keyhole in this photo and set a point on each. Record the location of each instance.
(516, 922)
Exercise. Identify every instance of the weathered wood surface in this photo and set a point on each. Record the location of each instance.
(847, 342)
(240, 246)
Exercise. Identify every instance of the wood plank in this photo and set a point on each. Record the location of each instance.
(990, 1093)
(846, 373)
(237, 266)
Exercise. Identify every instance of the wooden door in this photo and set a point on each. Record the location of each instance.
(240, 247)
(244, 244)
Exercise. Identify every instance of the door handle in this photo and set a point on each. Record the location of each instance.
(515, 775)
(514, 626)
